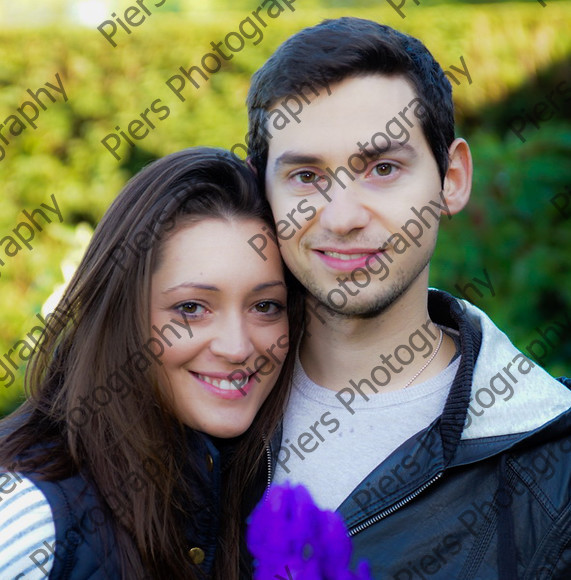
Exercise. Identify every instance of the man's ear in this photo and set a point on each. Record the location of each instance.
(458, 179)
(251, 165)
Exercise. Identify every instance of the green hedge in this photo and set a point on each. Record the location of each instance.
(515, 53)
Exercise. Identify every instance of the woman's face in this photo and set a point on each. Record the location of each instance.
(220, 311)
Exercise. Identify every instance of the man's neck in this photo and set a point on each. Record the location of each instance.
(335, 349)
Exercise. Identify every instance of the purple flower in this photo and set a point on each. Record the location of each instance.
(292, 539)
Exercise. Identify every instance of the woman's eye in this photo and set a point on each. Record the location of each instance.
(268, 307)
(191, 309)
(383, 169)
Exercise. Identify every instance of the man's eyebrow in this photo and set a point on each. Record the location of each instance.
(293, 158)
(370, 153)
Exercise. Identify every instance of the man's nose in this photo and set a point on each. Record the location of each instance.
(344, 212)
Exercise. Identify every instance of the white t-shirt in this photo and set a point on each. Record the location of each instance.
(330, 451)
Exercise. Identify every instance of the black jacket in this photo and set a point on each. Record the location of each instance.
(85, 545)
(485, 491)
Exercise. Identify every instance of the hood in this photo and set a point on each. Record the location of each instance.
(510, 393)
(500, 397)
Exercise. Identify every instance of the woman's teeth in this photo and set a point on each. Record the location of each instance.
(224, 384)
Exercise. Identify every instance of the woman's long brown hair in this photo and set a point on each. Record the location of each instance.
(93, 403)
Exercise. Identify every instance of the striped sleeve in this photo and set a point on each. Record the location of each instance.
(27, 541)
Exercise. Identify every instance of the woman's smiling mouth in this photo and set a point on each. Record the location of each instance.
(224, 387)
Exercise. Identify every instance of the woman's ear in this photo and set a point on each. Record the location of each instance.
(458, 179)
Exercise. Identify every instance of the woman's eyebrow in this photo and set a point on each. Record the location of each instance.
(193, 285)
(266, 285)
(209, 287)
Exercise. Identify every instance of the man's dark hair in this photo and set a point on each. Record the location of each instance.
(335, 50)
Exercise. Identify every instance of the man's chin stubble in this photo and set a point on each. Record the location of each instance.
(371, 308)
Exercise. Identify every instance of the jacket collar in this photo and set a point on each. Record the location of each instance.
(539, 412)
(446, 310)
(498, 391)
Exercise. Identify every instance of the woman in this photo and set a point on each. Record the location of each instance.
(143, 438)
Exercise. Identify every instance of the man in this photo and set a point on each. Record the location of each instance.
(445, 449)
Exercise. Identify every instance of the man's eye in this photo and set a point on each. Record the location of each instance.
(383, 169)
(306, 177)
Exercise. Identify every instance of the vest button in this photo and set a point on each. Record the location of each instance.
(196, 555)
(209, 462)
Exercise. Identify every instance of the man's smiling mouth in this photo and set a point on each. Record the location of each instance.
(342, 256)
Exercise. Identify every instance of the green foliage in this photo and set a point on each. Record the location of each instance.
(511, 229)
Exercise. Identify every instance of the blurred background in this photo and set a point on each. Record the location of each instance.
(517, 54)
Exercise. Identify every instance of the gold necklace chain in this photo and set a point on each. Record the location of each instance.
(428, 361)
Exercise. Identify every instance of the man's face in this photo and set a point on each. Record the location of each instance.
(349, 238)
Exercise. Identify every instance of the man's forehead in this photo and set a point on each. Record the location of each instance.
(373, 94)
(355, 109)
(376, 85)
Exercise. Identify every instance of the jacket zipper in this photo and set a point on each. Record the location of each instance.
(269, 458)
(393, 508)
